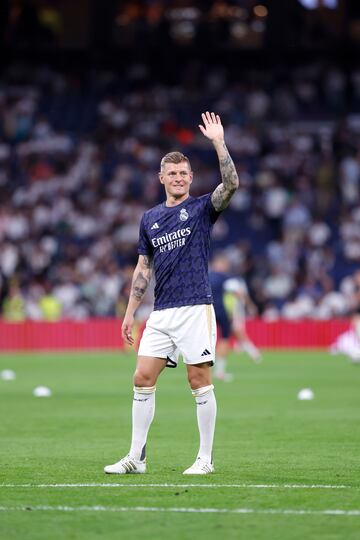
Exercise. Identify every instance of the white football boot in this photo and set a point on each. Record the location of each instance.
(127, 465)
(200, 467)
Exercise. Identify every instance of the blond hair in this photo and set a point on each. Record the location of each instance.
(174, 157)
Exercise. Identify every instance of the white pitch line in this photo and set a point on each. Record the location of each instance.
(206, 486)
(274, 511)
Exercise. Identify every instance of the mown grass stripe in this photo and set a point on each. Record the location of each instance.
(206, 486)
(98, 508)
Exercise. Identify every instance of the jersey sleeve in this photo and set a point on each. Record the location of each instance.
(210, 210)
(144, 245)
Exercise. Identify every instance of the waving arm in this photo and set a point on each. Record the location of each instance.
(213, 130)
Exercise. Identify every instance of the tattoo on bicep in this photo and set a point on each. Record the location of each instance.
(139, 286)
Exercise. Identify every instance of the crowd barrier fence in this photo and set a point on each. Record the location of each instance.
(102, 334)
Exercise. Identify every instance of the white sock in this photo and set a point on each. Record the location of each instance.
(143, 411)
(252, 350)
(220, 367)
(206, 416)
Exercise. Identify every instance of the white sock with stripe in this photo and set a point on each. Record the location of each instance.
(206, 416)
(143, 411)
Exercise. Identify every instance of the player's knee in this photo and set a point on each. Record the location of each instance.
(198, 380)
(144, 379)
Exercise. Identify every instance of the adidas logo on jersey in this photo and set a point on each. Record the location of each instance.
(206, 352)
(155, 226)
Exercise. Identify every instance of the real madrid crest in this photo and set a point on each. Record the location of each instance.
(183, 215)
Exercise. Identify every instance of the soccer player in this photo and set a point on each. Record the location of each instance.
(231, 298)
(238, 302)
(218, 276)
(174, 242)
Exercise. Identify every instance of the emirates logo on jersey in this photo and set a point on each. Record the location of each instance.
(183, 215)
(170, 237)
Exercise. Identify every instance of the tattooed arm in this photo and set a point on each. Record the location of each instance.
(230, 182)
(213, 130)
(140, 282)
(141, 278)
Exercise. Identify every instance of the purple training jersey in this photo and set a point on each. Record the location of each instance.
(177, 238)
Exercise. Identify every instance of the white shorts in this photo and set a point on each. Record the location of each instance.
(186, 330)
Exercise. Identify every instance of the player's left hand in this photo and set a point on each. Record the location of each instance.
(212, 128)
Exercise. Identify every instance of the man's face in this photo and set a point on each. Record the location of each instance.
(176, 178)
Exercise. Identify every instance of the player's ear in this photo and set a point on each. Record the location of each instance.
(191, 176)
(161, 177)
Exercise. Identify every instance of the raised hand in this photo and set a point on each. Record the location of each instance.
(212, 128)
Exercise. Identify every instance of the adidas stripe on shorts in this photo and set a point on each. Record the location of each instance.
(186, 330)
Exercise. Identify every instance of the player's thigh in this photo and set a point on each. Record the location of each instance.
(195, 333)
(155, 349)
(199, 375)
(148, 369)
(156, 345)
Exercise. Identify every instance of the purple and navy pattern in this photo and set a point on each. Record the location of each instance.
(178, 240)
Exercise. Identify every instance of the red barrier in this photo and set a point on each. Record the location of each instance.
(106, 334)
(292, 334)
(64, 335)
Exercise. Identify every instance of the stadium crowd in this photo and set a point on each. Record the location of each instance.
(79, 157)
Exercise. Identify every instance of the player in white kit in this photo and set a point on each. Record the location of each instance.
(174, 242)
(238, 302)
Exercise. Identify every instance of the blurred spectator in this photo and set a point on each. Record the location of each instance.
(14, 306)
(50, 306)
(79, 158)
(350, 179)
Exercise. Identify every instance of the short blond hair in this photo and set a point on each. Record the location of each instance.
(174, 157)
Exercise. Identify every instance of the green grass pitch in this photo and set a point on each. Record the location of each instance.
(265, 437)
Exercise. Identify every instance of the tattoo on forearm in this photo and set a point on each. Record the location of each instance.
(147, 261)
(139, 286)
(228, 172)
(230, 182)
(142, 277)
